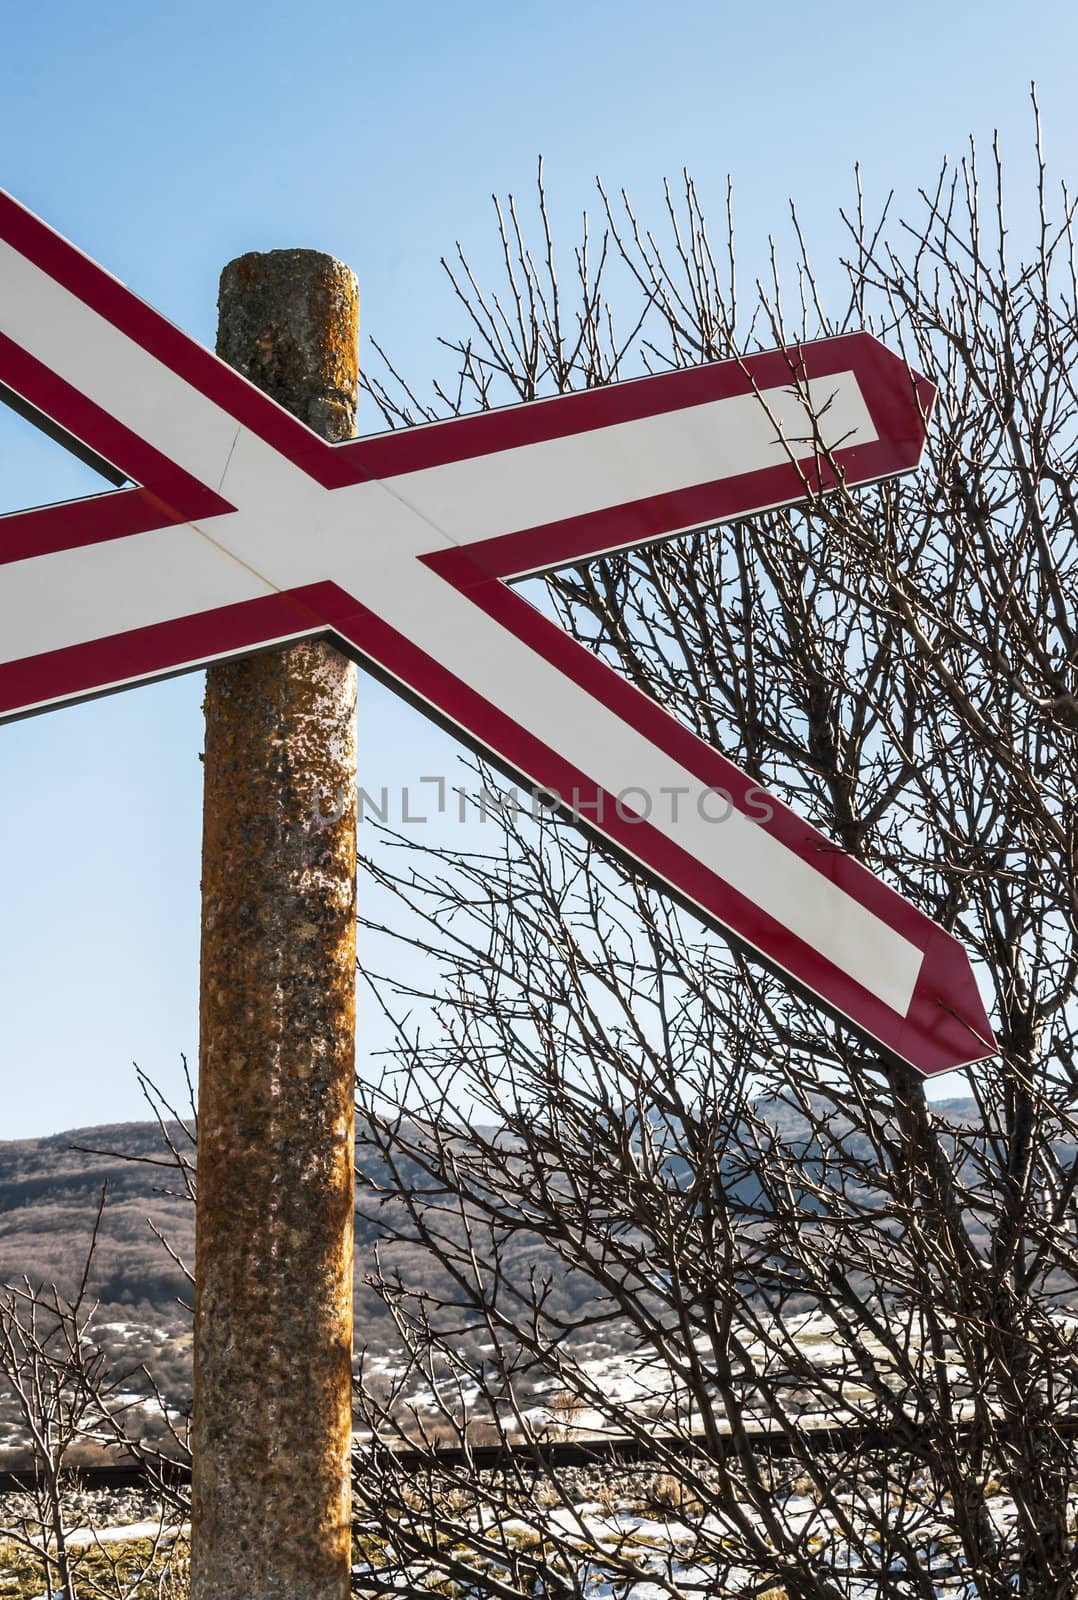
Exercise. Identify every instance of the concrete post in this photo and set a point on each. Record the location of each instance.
(273, 1254)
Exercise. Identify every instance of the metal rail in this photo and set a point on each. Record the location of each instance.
(580, 1452)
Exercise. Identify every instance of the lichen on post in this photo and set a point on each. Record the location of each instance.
(271, 1431)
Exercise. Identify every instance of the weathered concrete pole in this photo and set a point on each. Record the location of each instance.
(273, 1253)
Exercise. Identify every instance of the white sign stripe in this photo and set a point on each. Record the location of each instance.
(290, 533)
(66, 336)
(75, 596)
(554, 479)
(367, 539)
(512, 677)
(465, 501)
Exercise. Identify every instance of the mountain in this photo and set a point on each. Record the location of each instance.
(50, 1190)
(49, 1194)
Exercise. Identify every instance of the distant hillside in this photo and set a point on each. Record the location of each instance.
(49, 1193)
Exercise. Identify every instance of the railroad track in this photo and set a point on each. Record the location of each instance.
(585, 1451)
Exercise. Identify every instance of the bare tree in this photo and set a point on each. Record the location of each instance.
(62, 1394)
(662, 1152)
(70, 1405)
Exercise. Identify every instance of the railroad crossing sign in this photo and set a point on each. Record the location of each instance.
(245, 530)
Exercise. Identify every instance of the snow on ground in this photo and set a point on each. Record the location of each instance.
(150, 1528)
(600, 1380)
(667, 1550)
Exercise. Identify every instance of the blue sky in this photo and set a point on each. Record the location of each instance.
(166, 140)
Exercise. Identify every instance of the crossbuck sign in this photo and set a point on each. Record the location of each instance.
(245, 531)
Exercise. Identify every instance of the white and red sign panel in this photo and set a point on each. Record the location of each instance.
(246, 530)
